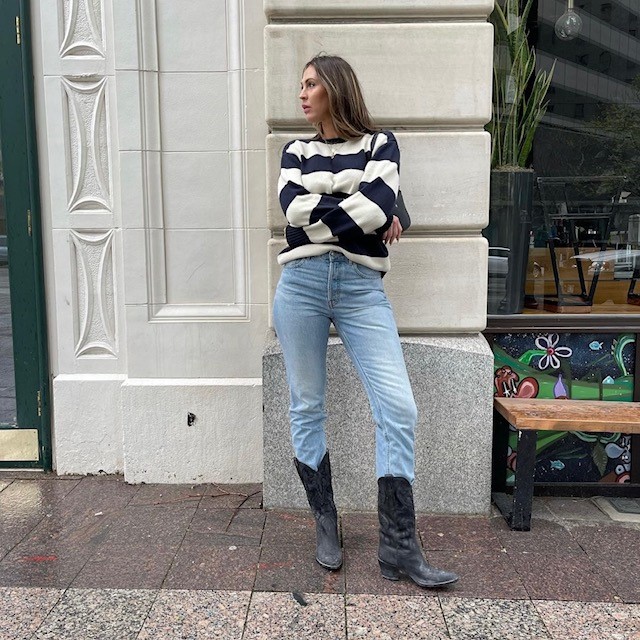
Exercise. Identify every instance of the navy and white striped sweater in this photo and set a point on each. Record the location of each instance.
(341, 202)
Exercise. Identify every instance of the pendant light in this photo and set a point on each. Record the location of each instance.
(569, 24)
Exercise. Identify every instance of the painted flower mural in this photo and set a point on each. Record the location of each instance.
(547, 344)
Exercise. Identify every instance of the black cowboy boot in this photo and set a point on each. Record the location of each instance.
(317, 484)
(399, 551)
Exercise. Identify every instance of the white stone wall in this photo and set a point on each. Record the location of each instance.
(426, 73)
(151, 135)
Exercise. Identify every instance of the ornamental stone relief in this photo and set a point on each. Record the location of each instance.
(88, 152)
(83, 32)
(93, 263)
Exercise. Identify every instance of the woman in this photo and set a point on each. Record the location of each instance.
(338, 191)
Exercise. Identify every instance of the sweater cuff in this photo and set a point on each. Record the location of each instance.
(296, 236)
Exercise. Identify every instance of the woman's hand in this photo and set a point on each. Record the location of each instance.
(393, 232)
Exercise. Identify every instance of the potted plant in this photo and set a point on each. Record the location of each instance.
(519, 94)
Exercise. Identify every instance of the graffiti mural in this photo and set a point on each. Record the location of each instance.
(563, 366)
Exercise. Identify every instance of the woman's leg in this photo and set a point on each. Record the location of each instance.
(365, 322)
(302, 323)
(302, 326)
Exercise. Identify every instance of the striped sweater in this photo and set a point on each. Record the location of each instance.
(338, 196)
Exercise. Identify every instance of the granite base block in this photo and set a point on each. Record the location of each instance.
(451, 378)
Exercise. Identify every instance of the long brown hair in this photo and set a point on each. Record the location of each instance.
(349, 113)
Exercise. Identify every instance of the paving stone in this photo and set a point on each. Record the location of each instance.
(360, 530)
(54, 564)
(226, 527)
(457, 533)
(590, 620)
(482, 619)
(74, 512)
(548, 576)
(483, 574)
(199, 565)
(196, 615)
(621, 538)
(232, 496)
(363, 576)
(23, 610)
(4, 484)
(97, 614)
(11, 533)
(166, 524)
(127, 566)
(390, 617)
(621, 570)
(295, 569)
(279, 616)
(544, 536)
(289, 528)
(169, 494)
(24, 499)
(96, 494)
(24, 504)
(84, 531)
(575, 509)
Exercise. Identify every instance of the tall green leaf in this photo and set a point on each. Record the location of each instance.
(519, 93)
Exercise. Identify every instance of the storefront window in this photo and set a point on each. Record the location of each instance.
(582, 253)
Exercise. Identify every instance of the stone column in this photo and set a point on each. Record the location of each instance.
(426, 71)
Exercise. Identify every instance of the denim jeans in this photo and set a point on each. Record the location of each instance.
(312, 293)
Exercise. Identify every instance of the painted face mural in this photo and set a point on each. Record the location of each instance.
(562, 366)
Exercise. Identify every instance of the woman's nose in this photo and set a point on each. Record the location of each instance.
(302, 94)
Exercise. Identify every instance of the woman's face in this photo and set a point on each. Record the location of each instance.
(314, 97)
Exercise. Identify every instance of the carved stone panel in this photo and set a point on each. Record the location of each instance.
(95, 325)
(83, 29)
(88, 162)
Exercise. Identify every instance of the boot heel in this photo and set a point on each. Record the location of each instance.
(388, 571)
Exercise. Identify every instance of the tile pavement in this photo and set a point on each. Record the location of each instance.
(93, 558)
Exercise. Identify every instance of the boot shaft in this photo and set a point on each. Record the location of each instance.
(396, 513)
(318, 487)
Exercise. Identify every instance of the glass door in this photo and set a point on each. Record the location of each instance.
(7, 373)
(24, 374)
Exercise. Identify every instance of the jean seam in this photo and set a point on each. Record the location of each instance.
(374, 395)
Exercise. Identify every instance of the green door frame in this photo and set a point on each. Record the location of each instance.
(24, 233)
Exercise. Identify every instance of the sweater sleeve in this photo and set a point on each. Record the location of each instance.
(368, 210)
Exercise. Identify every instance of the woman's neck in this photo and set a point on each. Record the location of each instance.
(328, 131)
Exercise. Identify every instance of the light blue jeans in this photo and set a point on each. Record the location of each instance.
(312, 293)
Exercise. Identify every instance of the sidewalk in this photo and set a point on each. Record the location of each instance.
(93, 557)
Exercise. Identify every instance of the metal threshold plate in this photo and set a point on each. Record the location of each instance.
(625, 505)
(620, 509)
(19, 445)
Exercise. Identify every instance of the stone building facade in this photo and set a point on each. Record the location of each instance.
(160, 125)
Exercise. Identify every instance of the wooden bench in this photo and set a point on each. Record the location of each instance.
(529, 416)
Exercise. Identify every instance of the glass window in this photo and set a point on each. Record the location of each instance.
(583, 249)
